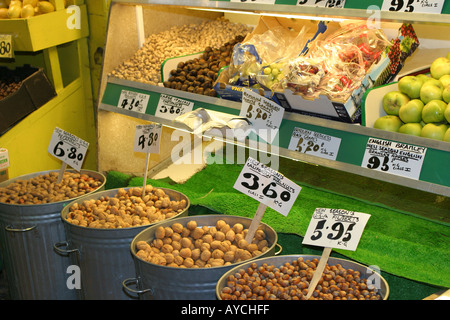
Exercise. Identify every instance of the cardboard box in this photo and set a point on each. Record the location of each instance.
(34, 92)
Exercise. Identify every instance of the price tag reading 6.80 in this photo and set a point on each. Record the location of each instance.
(335, 228)
(68, 148)
(267, 186)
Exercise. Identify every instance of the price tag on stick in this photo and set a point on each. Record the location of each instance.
(70, 149)
(333, 228)
(146, 139)
(267, 186)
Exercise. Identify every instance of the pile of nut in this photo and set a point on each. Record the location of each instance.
(46, 189)
(290, 281)
(8, 87)
(145, 65)
(194, 246)
(198, 75)
(126, 209)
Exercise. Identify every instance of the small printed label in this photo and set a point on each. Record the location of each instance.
(147, 138)
(6, 46)
(394, 157)
(170, 107)
(133, 101)
(417, 6)
(315, 143)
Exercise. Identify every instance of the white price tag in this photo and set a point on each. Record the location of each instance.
(417, 6)
(4, 159)
(315, 143)
(133, 101)
(262, 113)
(6, 46)
(394, 157)
(171, 107)
(267, 186)
(322, 3)
(335, 228)
(254, 1)
(147, 138)
(68, 148)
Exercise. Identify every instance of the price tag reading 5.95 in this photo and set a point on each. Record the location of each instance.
(267, 186)
(68, 148)
(336, 228)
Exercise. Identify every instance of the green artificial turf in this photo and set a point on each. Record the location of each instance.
(403, 245)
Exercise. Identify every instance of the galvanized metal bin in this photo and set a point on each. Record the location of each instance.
(103, 255)
(27, 234)
(170, 283)
(366, 272)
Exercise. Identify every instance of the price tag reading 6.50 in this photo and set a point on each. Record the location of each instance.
(336, 228)
(68, 148)
(267, 186)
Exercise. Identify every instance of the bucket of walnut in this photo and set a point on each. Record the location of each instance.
(30, 222)
(184, 258)
(287, 278)
(100, 228)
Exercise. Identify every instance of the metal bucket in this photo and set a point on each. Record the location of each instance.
(103, 255)
(366, 272)
(27, 234)
(170, 283)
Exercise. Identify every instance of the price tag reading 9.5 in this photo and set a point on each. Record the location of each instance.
(68, 148)
(267, 186)
(417, 6)
(336, 228)
(170, 107)
(394, 157)
(133, 101)
(147, 138)
(315, 143)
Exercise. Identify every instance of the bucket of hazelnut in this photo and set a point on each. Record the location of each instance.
(185, 257)
(287, 278)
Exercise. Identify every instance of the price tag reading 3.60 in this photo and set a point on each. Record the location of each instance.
(335, 228)
(267, 186)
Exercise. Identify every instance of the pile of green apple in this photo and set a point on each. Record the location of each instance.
(421, 105)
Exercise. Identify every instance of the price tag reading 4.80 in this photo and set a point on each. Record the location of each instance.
(336, 228)
(147, 137)
(267, 186)
(68, 148)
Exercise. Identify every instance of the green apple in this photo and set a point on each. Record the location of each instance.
(388, 123)
(446, 94)
(447, 135)
(433, 111)
(410, 85)
(423, 77)
(440, 67)
(411, 111)
(445, 80)
(431, 90)
(447, 113)
(411, 128)
(393, 100)
(434, 131)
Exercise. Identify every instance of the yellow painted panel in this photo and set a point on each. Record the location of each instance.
(27, 142)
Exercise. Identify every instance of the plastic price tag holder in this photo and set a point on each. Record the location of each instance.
(147, 139)
(67, 147)
(394, 157)
(6, 46)
(333, 228)
(314, 143)
(416, 6)
(170, 107)
(133, 101)
(267, 186)
(263, 114)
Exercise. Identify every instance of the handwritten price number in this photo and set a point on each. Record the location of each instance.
(328, 4)
(135, 103)
(397, 5)
(5, 48)
(375, 162)
(152, 138)
(259, 113)
(338, 227)
(172, 110)
(59, 152)
(267, 191)
(311, 146)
